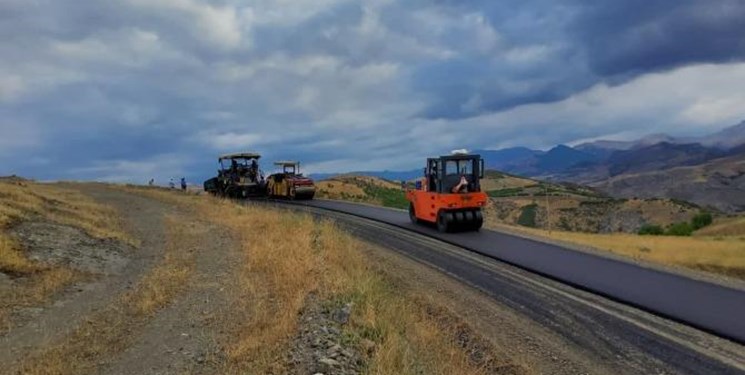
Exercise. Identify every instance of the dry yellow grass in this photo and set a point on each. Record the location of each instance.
(368, 180)
(24, 200)
(291, 256)
(660, 211)
(333, 189)
(34, 291)
(12, 259)
(352, 188)
(719, 254)
(110, 331)
(52, 202)
(504, 182)
(733, 226)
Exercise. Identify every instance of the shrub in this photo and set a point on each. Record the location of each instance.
(527, 216)
(506, 192)
(388, 197)
(651, 230)
(680, 229)
(701, 220)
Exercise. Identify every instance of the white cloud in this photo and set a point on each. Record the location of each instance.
(696, 99)
(11, 86)
(286, 13)
(34, 78)
(226, 27)
(234, 141)
(528, 54)
(131, 47)
(162, 168)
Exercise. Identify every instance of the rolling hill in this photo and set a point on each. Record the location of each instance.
(718, 183)
(573, 207)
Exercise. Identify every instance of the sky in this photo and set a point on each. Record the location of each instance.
(128, 90)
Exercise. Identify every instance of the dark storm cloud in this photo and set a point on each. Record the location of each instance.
(600, 41)
(132, 89)
(637, 36)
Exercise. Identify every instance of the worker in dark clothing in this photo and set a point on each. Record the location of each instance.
(253, 172)
(234, 170)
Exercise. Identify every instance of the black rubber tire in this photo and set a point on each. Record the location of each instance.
(459, 218)
(412, 214)
(478, 220)
(469, 216)
(442, 222)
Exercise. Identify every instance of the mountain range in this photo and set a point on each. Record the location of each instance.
(608, 165)
(596, 161)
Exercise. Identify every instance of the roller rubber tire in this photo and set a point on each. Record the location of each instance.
(412, 214)
(442, 223)
(469, 216)
(478, 220)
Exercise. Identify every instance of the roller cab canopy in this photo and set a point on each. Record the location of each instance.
(239, 155)
(283, 163)
(289, 166)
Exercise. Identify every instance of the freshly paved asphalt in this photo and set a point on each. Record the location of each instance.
(713, 308)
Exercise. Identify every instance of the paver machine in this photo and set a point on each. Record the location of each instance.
(239, 176)
(290, 183)
(449, 195)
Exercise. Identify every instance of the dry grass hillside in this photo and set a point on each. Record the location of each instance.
(363, 189)
(521, 201)
(26, 282)
(722, 253)
(718, 183)
(726, 226)
(589, 215)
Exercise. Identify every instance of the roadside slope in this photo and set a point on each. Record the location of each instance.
(228, 289)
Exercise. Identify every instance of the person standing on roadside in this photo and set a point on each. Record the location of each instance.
(183, 184)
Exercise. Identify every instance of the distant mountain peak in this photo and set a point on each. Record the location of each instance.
(561, 147)
(726, 138)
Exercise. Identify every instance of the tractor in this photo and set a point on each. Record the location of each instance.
(239, 176)
(449, 195)
(290, 183)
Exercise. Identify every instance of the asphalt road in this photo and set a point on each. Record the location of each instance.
(625, 338)
(710, 307)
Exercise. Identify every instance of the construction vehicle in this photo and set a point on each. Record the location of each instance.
(239, 176)
(290, 183)
(449, 195)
